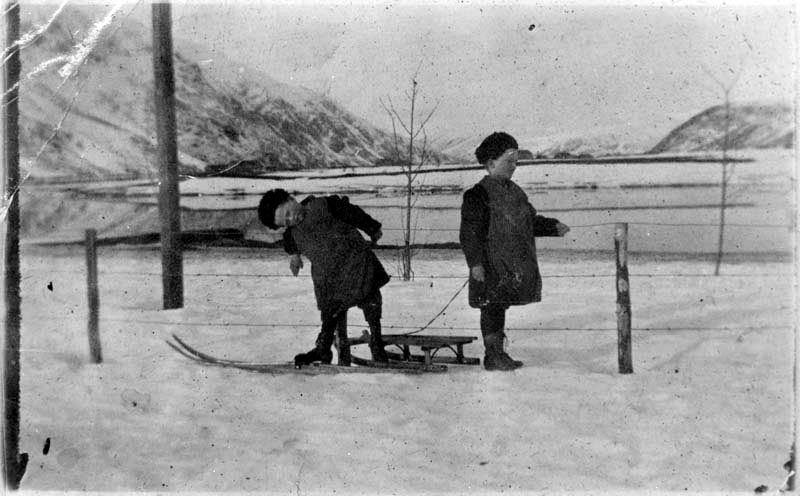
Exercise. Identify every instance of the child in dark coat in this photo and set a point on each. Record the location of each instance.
(345, 271)
(497, 234)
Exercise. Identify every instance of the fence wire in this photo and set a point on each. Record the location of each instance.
(416, 277)
(439, 328)
(430, 277)
(600, 224)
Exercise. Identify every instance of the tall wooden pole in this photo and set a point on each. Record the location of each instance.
(166, 130)
(623, 300)
(13, 463)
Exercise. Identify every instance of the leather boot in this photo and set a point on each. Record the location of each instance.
(315, 355)
(494, 359)
(516, 363)
(321, 352)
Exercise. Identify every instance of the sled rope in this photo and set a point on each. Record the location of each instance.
(440, 311)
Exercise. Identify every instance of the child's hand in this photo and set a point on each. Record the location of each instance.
(562, 229)
(477, 273)
(376, 236)
(295, 264)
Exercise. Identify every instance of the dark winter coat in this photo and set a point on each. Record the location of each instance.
(498, 230)
(343, 266)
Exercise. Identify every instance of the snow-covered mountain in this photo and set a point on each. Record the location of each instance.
(752, 125)
(595, 144)
(226, 114)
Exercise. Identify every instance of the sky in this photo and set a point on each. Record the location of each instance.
(533, 69)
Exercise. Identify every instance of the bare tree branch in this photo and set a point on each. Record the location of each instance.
(726, 88)
(396, 115)
(423, 156)
(416, 73)
(426, 119)
(395, 137)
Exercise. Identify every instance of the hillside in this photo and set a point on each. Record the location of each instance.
(227, 115)
(752, 125)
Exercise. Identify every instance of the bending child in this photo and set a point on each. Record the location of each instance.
(345, 271)
(497, 234)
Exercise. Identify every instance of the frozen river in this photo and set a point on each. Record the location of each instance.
(671, 207)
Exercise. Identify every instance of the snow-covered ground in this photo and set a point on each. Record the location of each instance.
(708, 407)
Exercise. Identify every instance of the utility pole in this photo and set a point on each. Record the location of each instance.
(166, 131)
(13, 463)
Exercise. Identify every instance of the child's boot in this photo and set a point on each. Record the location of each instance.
(315, 355)
(321, 352)
(495, 358)
(516, 363)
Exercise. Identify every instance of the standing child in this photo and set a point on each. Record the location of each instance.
(498, 230)
(345, 271)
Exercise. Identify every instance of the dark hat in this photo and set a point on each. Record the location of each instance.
(494, 145)
(270, 202)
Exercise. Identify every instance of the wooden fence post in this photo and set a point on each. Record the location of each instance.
(14, 462)
(623, 300)
(93, 296)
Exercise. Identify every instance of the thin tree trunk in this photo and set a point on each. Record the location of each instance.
(724, 188)
(407, 234)
(409, 188)
(721, 239)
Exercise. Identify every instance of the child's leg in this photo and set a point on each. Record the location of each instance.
(373, 310)
(493, 321)
(322, 349)
(325, 337)
(343, 341)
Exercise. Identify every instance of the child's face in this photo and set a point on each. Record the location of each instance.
(288, 213)
(504, 165)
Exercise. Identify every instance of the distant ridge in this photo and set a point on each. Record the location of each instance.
(752, 125)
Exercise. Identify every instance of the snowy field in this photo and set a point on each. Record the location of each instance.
(708, 407)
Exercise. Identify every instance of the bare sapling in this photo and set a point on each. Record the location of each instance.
(727, 168)
(410, 159)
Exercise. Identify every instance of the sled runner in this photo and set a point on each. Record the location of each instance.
(364, 366)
